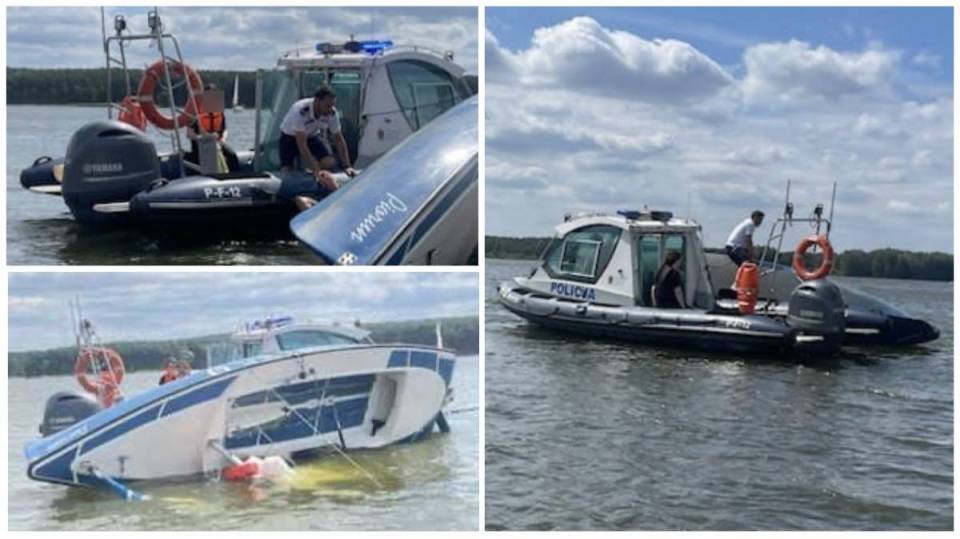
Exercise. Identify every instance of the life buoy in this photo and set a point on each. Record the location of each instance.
(826, 265)
(97, 353)
(132, 113)
(148, 84)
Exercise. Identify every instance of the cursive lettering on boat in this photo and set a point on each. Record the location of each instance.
(389, 205)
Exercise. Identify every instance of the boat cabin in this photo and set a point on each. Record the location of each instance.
(282, 334)
(613, 259)
(384, 93)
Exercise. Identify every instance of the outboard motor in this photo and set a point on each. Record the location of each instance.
(106, 161)
(66, 408)
(817, 308)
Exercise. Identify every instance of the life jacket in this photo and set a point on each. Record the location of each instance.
(169, 375)
(212, 122)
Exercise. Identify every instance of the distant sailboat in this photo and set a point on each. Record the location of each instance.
(237, 107)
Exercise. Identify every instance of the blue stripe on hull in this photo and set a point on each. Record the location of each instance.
(121, 428)
(204, 394)
(57, 470)
(305, 391)
(350, 412)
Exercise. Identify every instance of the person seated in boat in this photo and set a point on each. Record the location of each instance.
(169, 372)
(183, 368)
(309, 199)
(668, 284)
(739, 245)
(310, 130)
(212, 121)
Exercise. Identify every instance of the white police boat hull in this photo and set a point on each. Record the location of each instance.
(687, 328)
(351, 396)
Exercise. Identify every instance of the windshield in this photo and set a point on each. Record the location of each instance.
(304, 338)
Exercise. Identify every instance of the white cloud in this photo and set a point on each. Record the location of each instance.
(582, 55)
(927, 60)
(797, 71)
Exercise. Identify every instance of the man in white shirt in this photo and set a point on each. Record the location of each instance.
(740, 243)
(310, 130)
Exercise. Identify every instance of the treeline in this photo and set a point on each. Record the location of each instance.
(883, 263)
(89, 86)
(461, 334)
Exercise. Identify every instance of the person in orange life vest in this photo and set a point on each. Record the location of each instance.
(216, 123)
(169, 372)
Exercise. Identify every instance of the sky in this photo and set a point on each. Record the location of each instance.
(234, 37)
(146, 306)
(709, 111)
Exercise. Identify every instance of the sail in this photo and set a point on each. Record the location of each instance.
(236, 91)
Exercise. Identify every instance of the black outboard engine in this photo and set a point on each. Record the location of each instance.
(106, 161)
(817, 308)
(66, 408)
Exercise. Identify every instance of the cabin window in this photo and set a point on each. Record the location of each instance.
(583, 254)
(424, 91)
(251, 349)
(293, 340)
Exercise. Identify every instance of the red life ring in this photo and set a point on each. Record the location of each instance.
(132, 113)
(97, 386)
(826, 265)
(148, 84)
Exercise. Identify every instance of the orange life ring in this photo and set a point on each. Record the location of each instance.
(148, 84)
(826, 265)
(132, 113)
(96, 353)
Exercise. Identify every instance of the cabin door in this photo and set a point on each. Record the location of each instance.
(653, 248)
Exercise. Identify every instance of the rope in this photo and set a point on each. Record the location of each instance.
(463, 410)
(352, 462)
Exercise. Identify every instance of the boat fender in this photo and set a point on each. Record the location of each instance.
(826, 265)
(87, 357)
(148, 84)
(748, 285)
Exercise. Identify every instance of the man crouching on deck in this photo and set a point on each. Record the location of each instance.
(309, 131)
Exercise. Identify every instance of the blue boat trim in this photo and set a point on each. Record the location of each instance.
(204, 394)
(121, 428)
(323, 420)
(465, 180)
(304, 391)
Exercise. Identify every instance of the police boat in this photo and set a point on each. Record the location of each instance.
(290, 390)
(114, 176)
(596, 278)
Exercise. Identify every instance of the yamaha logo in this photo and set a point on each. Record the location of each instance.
(102, 168)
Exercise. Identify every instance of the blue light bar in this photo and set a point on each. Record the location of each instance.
(376, 46)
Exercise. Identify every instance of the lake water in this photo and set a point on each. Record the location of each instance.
(588, 434)
(428, 485)
(41, 231)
